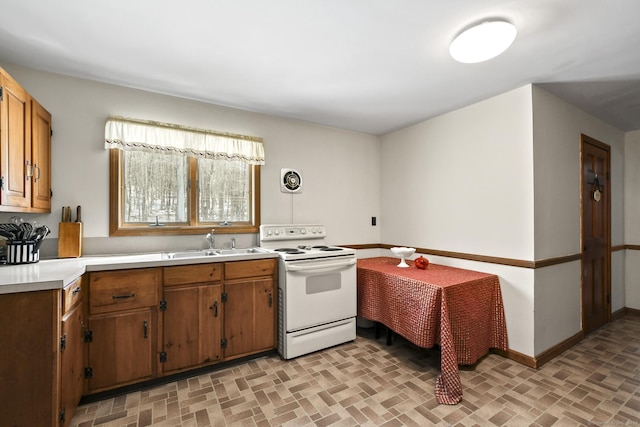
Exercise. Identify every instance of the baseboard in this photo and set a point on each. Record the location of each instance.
(557, 349)
(619, 313)
(516, 357)
(544, 357)
(633, 311)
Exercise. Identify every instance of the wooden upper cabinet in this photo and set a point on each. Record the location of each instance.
(41, 157)
(25, 150)
(15, 145)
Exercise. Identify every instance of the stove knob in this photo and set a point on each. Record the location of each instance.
(303, 231)
(277, 232)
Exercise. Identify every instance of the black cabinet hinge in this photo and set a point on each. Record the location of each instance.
(1, 182)
(88, 372)
(223, 343)
(163, 305)
(163, 356)
(50, 131)
(225, 297)
(61, 416)
(88, 336)
(1, 93)
(63, 342)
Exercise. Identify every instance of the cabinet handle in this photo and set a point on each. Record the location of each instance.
(75, 291)
(124, 296)
(29, 168)
(145, 326)
(270, 299)
(214, 307)
(36, 177)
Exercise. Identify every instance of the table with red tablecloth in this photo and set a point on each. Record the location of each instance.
(460, 310)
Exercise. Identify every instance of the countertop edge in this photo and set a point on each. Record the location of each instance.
(58, 273)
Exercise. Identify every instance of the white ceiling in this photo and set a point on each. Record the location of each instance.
(365, 65)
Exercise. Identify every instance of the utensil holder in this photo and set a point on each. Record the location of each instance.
(22, 252)
(69, 239)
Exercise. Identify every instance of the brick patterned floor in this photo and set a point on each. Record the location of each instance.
(366, 383)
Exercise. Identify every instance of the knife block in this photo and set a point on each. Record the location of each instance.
(69, 239)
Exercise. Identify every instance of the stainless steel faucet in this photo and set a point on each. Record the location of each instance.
(233, 243)
(210, 238)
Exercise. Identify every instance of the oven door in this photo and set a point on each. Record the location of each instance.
(319, 291)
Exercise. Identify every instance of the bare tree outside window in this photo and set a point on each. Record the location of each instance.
(224, 190)
(155, 186)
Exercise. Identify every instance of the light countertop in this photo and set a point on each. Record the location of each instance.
(58, 273)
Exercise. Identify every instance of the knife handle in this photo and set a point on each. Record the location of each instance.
(78, 214)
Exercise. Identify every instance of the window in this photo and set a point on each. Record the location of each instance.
(175, 189)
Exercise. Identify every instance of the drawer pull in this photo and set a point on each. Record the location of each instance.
(75, 291)
(270, 300)
(124, 296)
(145, 326)
(214, 307)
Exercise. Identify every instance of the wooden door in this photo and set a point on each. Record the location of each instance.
(122, 349)
(15, 145)
(265, 323)
(191, 326)
(41, 157)
(29, 360)
(596, 234)
(250, 321)
(211, 316)
(72, 355)
(239, 318)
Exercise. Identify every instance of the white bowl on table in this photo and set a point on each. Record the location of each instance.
(403, 253)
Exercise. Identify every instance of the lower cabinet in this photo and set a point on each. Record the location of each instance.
(41, 365)
(114, 328)
(123, 310)
(192, 313)
(72, 348)
(250, 307)
(249, 316)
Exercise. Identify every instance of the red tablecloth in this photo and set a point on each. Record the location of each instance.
(461, 310)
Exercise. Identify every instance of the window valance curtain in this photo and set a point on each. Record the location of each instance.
(143, 135)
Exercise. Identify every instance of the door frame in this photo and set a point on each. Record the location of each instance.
(584, 140)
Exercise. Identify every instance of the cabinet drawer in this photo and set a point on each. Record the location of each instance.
(244, 269)
(72, 294)
(186, 274)
(111, 291)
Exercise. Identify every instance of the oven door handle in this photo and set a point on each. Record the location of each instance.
(323, 267)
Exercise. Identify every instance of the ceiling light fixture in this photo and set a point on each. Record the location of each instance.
(483, 41)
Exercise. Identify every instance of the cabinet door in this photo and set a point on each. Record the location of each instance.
(211, 316)
(72, 354)
(265, 312)
(249, 317)
(192, 326)
(41, 157)
(29, 360)
(121, 351)
(15, 145)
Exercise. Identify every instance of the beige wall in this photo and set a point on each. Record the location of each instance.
(340, 168)
(632, 218)
(502, 178)
(463, 182)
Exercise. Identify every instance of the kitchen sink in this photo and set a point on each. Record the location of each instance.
(189, 254)
(239, 251)
(212, 252)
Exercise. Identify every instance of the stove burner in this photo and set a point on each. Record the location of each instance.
(326, 248)
(321, 247)
(289, 251)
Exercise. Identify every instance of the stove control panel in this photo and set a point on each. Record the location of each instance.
(291, 232)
